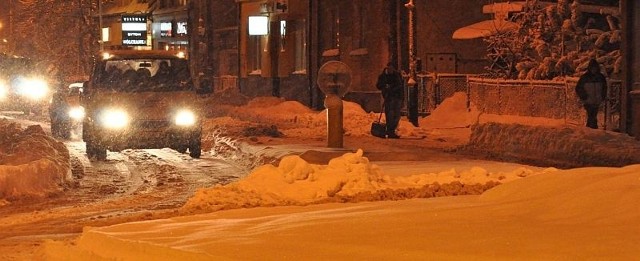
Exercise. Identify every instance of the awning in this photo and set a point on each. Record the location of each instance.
(484, 29)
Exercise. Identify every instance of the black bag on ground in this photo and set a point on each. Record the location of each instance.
(379, 128)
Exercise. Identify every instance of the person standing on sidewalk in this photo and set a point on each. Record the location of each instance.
(592, 91)
(390, 83)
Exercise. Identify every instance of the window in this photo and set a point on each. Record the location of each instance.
(359, 27)
(331, 36)
(335, 28)
(255, 54)
(300, 36)
(105, 34)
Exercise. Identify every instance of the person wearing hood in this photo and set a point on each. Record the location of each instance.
(391, 84)
(592, 91)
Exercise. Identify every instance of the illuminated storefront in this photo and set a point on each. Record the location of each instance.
(170, 28)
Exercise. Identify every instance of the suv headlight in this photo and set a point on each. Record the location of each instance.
(32, 88)
(76, 113)
(3, 90)
(114, 119)
(185, 118)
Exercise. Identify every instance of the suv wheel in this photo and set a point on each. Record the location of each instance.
(97, 151)
(181, 149)
(194, 149)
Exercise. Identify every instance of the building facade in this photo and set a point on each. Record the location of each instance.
(364, 34)
(124, 24)
(170, 24)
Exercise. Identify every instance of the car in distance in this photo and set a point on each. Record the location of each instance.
(66, 112)
(23, 87)
(141, 99)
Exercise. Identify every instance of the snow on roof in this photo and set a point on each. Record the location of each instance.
(484, 29)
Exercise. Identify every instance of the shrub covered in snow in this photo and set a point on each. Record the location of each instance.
(555, 40)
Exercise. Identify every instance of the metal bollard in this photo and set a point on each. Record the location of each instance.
(333, 103)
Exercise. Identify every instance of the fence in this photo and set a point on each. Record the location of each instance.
(223, 83)
(548, 99)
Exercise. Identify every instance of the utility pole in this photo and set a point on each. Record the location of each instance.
(412, 106)
(11, 39)
(100, 24)
(274, 47)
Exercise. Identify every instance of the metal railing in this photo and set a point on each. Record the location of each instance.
(223, 83)
(548, 99)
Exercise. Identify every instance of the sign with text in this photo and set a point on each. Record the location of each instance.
(166, 29)
(181, 28)
(134, 30)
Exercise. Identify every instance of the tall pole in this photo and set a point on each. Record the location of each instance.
(274, 50)
(11, 38)
(412, 106)
(100, 24)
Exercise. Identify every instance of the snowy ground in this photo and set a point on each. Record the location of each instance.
(287, 208)
(581, 214)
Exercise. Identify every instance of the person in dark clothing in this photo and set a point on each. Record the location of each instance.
(390, 83)
(592, 91)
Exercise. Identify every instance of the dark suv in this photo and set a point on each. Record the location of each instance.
(141, 100)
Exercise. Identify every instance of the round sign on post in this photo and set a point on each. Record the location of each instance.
(334, 79)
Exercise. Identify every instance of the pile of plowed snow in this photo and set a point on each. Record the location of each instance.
(297, 120)
(452, 113)
(563, 146)
(32, 164)
(350, 177)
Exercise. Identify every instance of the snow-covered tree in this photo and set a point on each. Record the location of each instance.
(555, 40)
(60, 35)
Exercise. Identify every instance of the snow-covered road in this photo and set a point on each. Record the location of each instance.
(129, 185)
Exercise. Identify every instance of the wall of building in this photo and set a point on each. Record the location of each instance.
(436, 22)
(357, 33)
(224, 15)
(291, 83)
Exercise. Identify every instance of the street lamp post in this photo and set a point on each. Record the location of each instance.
(100, 24)
(412, 107)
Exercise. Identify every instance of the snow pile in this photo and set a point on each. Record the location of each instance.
(452, 113)
(296, 120)
(580, 214)
(563, 146)
(350, 177)
(32, 164)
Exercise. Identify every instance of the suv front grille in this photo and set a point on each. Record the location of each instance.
(151, 124)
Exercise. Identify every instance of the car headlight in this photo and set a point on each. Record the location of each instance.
(76, 113)
(32, 88)
(114, 119)
(185, 118)
(3, 90)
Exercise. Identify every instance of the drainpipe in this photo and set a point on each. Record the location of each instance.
(627, 67)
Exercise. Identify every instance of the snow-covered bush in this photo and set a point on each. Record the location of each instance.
(555, 40)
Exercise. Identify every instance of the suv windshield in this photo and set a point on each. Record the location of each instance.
(143, 75)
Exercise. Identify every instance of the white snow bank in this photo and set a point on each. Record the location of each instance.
(451, 113)
(296, 120)
(32, 164)
(349, 177)
(563, 146)
(580, 214)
